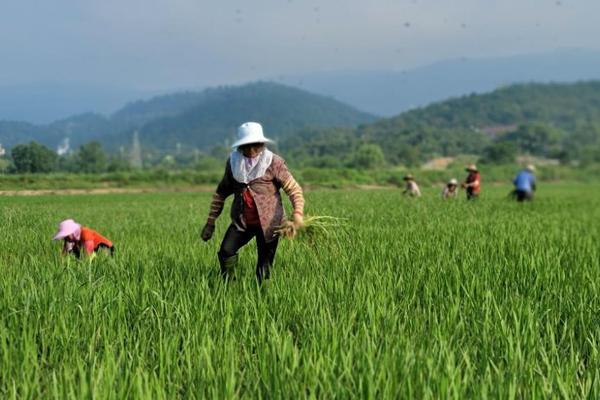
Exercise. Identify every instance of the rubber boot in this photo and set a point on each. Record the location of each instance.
(263, 272)
(228, 267)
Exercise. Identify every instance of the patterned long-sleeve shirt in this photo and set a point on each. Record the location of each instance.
(265, 191)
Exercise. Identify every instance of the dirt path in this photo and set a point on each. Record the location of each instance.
(194, 189)
(191, 189)
(45, 192)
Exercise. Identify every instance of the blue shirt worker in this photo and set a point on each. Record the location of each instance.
(525, 184)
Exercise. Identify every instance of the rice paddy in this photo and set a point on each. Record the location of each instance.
(413, 298)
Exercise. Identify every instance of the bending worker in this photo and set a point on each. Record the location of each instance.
(410, 187)
(254, 175)
(79, 239)
(473, 182)
(525, 184)
(450, 190)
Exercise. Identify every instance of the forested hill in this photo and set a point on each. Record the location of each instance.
(547, 120)
(559, 104)
(194, 119)
(168, 105)
(551, 114)
(281, 109)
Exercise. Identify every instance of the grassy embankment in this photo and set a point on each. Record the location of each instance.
(319, 177)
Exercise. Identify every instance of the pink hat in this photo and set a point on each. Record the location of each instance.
(66, 228)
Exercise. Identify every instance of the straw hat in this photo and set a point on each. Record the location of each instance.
(471, 168)
(453, 182)
(409, 177)
(248, 133)
(530, 168)
(66, 228)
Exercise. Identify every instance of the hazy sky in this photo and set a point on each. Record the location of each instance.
(169, 44)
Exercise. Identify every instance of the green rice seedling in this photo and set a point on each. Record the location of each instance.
(313, 228)
(395, 299)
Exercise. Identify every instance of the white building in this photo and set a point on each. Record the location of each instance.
(64, 147)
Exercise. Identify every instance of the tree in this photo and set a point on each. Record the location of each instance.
(220, 152)
(33, 158)
(589, 155)
(368, 156)
(535, 139)
(4, 165)
(408, 155)
(500, 153)
(68, 162)
(91, 158)
(118, 163)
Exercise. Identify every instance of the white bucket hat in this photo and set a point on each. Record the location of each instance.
(250, 132)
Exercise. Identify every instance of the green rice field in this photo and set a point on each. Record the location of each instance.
(411, 298)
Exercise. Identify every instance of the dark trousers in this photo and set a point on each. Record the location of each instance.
(523, 195)
(471, 195)
(77, 251)
(235, 240)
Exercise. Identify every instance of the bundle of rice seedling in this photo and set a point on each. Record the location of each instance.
(314, 226)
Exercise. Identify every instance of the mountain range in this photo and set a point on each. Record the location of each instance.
(193, 119)
(548, 120)
(560, 105)
(562, 118)
(389, 92)
(383, 92)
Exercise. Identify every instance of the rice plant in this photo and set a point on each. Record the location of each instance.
(400, 298)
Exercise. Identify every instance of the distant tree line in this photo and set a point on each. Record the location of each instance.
(559, 122)
(88, 158)
(554, 121)
(92, 158)
(357, 149)
(331, 148)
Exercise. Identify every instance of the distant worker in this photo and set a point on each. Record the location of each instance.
(410, 187)
(525, 184)
(450, 190)
(80, 240)
(254, 175)
(473, 182)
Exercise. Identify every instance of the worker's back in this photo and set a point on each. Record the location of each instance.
(524, 181)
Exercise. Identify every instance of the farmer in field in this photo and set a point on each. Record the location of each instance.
(410, 187)
(450, 190)
(80, 240)
(473, 182)
(254, 175)
(525, 184)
